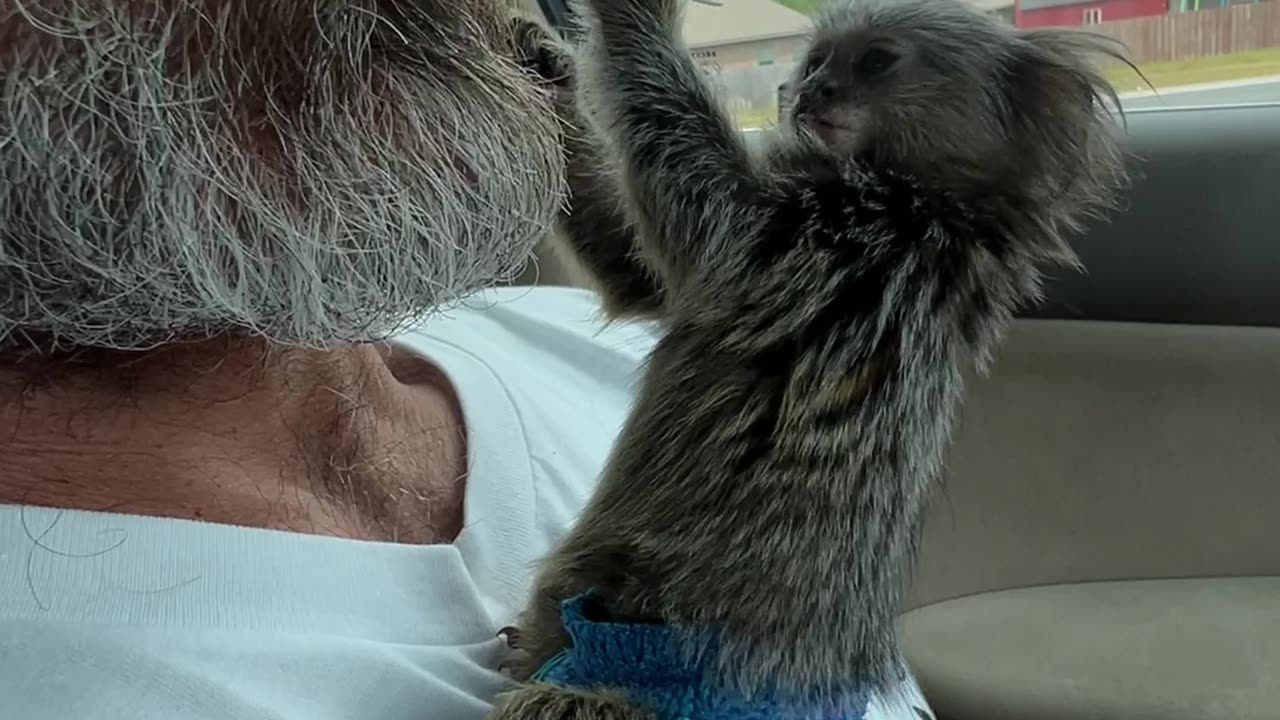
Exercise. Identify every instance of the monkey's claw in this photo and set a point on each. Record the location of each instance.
(517, 662)
(511, 634)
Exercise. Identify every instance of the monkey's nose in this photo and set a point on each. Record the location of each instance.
(826, 91)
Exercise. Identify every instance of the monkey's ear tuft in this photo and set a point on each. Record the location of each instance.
(1066, 64)
(1063, 115)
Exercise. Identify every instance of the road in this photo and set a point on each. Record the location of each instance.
(1268, 91)
(1258, 92)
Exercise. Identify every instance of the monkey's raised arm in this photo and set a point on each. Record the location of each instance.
(595, 229)
(684, 168)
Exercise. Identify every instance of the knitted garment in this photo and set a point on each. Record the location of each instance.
(647, 663)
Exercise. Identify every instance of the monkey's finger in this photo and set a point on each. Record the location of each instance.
(510, 633)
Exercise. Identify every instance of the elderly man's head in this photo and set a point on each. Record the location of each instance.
(311, 170)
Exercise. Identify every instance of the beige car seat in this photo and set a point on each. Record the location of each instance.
(1107, 545)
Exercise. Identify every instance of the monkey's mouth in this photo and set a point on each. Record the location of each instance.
(815, 120)
(821, 126)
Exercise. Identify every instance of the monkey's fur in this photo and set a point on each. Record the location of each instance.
(819, 302)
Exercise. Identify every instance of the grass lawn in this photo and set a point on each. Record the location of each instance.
(1216, 68)
(757, 118)
(804, 6)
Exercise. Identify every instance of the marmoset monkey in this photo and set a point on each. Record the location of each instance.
(819, 301)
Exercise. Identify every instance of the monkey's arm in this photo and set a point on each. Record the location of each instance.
(595, 230)
(685, 169)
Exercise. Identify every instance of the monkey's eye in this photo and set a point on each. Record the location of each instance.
(874, 62)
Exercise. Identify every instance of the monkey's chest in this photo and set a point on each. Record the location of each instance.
(652, 666)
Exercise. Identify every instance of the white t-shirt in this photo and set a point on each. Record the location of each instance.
(115, 617)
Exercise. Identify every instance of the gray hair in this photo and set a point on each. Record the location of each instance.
(310, 171)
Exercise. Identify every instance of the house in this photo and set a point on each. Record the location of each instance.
(743, 34)
(1074, 13)
(1196, 5)
(1002, 9)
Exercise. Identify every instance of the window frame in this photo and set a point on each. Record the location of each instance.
(557, 14)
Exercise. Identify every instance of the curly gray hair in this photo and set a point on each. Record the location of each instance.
(310, 171)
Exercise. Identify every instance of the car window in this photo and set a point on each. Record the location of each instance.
(1190, 52)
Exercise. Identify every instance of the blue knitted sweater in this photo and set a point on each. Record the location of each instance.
(647, 662)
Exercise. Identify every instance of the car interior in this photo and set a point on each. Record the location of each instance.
(1105, 543)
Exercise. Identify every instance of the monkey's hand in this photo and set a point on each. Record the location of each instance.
(540, 636)
(538, 701)
(546, 56)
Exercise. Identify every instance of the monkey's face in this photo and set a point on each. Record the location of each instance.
(842, 87)
(938, 89)
(901, 80)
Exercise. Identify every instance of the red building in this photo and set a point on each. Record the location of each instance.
(1070, 13)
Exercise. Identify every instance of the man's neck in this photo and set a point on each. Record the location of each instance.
(364, 441)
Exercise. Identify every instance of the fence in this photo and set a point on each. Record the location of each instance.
(1187, 35)
(752, 90)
